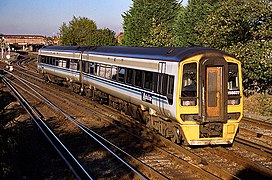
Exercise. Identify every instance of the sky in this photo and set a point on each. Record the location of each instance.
(44, 17)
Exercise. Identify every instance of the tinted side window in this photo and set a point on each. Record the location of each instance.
(108, 72)
(162, 82)
(129, 76)
(148, 80)
(121, 74)
(102, 70)
(138, 78)
(114, 73)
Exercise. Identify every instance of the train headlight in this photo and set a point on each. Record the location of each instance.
(233, 101)
(188, 103)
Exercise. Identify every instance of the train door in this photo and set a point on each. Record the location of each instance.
(213, 75)
(214, 92)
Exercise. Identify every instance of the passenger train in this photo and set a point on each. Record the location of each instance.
(190, 95)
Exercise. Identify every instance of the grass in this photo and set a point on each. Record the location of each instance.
(260, 104)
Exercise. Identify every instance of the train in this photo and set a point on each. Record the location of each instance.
(189, 95)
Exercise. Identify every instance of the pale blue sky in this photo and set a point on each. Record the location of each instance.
(44, 17)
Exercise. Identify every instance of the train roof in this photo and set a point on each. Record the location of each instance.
(158, 53)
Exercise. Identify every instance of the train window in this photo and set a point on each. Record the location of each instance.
(130, 76)
(73, 65)
(170, 85)
(102, 70)
(108, 72)
(148, 79)
(53, 62)
(92, 70)
(83, 64)
(233, 83)
(96, 69)
(138, 78)
(47, 60)
(58, 63)
(114, 73)
(43, 59)
(162, 84)
(189, 79)
(67, 63)
(170, 89)
(64, 63)
(86, 69)
(121, 74)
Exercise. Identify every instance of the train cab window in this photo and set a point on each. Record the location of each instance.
(121, 74)
(189, 86)
(114, 73)
(148, 79)
(233, 84)
(138, 78)
(130, 76)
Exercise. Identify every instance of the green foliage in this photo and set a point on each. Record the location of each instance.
(83, 32)
(158, 36)
(243, 28)
(146, 18)
(77, 32)
(190, 19)
(102, 37)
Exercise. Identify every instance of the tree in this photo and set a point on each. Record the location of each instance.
(158, 36)
(243, 28)
(78, 32)
(103, 37)
(139, 21)
(189, 19)
(83, 32)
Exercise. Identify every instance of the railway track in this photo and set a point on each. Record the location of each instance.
(67, 155)
(160, 160)
(200, 160)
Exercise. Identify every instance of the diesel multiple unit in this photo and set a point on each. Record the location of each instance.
(191, 95)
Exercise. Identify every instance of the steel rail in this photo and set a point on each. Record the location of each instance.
(254, 145)
(79, 171)
(88, 131)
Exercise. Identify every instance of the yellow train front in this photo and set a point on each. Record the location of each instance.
(209, 102)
